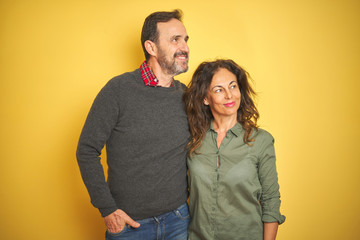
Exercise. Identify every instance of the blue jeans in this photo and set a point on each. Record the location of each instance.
(168, 226)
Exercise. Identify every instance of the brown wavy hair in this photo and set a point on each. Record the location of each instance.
(199, 114)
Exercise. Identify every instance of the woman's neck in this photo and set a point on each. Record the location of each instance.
(223, 124)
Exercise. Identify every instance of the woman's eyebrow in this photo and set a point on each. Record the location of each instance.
(232, 82)
(220, 86)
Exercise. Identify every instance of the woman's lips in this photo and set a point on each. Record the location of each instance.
(231, 104)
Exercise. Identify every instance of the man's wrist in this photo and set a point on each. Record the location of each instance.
(107, 211)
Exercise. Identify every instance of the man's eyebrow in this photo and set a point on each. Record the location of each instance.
(179, 36)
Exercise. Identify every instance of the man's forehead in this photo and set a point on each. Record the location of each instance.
(172, 27)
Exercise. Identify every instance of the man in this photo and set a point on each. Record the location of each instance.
(140, 117)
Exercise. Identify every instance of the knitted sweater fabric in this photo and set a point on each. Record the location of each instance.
(145, 131)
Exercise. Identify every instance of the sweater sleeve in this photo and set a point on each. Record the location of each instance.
(99, 124)
(270, 198)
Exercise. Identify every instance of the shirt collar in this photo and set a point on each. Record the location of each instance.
(237, 130)
(148, 76)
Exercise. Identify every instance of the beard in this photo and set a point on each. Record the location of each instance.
(170, 65)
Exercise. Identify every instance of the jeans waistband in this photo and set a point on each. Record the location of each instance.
(161, 216)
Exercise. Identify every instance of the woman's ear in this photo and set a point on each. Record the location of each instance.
(206, 101)
(150, 47)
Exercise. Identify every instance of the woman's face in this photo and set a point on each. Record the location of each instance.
(224, 94)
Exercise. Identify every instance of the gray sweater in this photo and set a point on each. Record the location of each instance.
(145, 130)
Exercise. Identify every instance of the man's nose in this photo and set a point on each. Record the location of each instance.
(185, 47)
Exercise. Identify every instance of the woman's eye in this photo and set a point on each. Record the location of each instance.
(218, 90)
(233, 86)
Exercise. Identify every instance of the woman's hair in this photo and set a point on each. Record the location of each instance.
(199, 114)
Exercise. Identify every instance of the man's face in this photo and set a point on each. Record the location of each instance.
(172, 48)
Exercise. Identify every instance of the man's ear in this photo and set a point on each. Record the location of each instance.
(150, 47)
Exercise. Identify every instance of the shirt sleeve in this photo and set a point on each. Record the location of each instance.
(100, 121)
(270, 198)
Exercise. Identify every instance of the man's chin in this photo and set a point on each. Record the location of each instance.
(181, 68)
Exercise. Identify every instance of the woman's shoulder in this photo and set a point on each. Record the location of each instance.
(262, 136)
(263, 142)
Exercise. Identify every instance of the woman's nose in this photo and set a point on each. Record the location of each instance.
(228, 94)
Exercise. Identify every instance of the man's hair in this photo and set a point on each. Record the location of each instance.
(149, 30)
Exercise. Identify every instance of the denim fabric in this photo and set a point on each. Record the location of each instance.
(168, 226)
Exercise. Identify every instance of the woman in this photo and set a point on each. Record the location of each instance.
(234, 191)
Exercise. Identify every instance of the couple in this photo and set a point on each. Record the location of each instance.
(141, 118)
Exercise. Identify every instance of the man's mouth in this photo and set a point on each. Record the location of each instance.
(181, 55)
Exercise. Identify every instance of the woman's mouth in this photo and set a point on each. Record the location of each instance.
(230, 104)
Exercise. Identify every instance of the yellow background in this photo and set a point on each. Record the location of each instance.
(56, 55)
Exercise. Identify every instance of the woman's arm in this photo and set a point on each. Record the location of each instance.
(270, 198)
(270, 230)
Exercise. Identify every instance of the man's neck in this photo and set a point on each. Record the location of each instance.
(165, 79)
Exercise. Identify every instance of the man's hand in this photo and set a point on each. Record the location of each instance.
(115, 222)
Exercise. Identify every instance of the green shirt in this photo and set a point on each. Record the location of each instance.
(233, 189)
